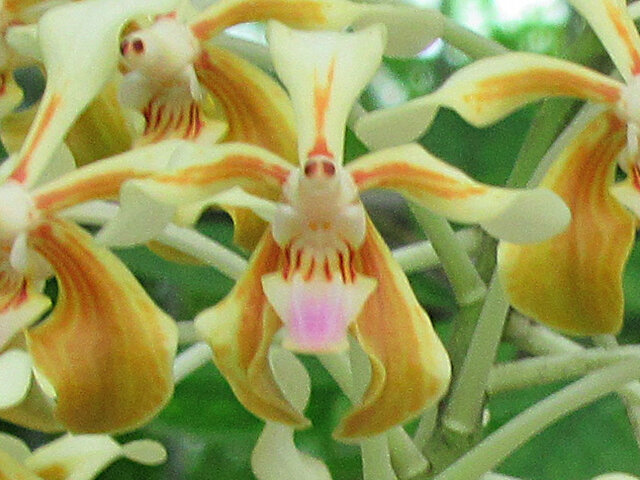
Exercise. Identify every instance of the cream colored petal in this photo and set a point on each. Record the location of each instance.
(14, 446)
(79, 43)
(106, 348)
(324, 73)
(12, 469)
(518, 215)
(24, 40)
(615, 29)
(15, 377)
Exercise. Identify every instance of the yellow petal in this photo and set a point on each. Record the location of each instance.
(324, 74)
(518, 215)
(410, 367)
(102, 180)
(573, 281)
(106, 348)
(318, 14)
(15, 128)
(486, 91)
(254, 106)
(615, 29)
(101, 130)
(240, 330)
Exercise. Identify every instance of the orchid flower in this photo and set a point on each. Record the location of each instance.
(71, 457)
(187, 88)
(580, 291)
(103, 354)
(322, 270)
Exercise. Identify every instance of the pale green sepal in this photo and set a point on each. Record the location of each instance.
(410, 30)
(24, 40)
(15, 377)
(627, 195)
(396, 125)
(61, 163)
(532, 216)
(80, 48)
(275, 456)
(324, 74)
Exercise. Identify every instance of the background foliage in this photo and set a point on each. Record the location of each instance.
(206, 431)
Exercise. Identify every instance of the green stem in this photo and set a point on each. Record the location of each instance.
(470, 42)
(461, 418)
(497, 446)
(422, 255)
(548, 369)
(467, 285)
(190, 360)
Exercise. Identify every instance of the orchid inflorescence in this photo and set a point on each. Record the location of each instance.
(152, 117)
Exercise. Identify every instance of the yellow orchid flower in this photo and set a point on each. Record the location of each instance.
(72, 457)
(104, 352)
(574, 281)
(322, 270)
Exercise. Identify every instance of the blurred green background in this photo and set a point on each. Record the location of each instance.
(210, 436)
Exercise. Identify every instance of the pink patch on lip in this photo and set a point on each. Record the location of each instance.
(319, 317)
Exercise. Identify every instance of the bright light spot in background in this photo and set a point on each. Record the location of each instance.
(473, 15)
(426, 3)
(546, 11)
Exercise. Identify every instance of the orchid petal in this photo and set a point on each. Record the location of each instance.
(102, 180)
(580, 289)
(255, 107)
(23, 39)
(77, 457)
(15, 377)
(316, 313)
(106, 348)
(79, 43)
(315, 14)
(14, 446)
(397, 125)
(614, 27)
(486, 91)
(101, 130)
(240, 330)
(155, 200)
(518, 215)
(324, 74)
(410, 367)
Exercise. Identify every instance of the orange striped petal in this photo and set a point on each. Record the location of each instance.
(410, 367)
(79, 45)
(517, 215)
(255, 107)
(102, 180)
(315, 14)
(227, 165)
(612, 23)
(573, 281)
(106, 349)
(240, 330)
(101, 130)
(324, 74)
(486, 91)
